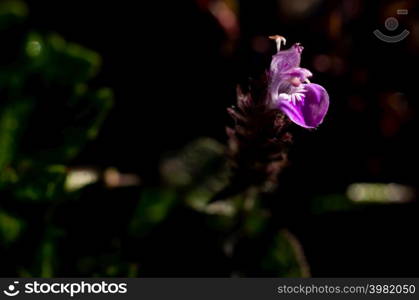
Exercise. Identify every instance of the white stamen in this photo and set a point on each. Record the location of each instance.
(279, 40)
(296, 95)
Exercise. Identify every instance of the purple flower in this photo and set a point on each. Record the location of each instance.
(290, 91)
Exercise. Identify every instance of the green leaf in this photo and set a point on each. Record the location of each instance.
(194, 163)
(286, 257)
(40, 184)
(63, 62)
(200, 170)
(46, 262)
(12, 122)
(89, 110)
(10, 228)
(11, 13)
(153, 207)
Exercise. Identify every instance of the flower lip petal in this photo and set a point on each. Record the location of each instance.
(310, 111)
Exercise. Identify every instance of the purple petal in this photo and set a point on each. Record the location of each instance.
(286, 59)
(300, 73)
(311, 110)
(282, 62)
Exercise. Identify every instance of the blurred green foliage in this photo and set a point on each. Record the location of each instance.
(11, 13)
(153, 207)
(48, 112)
(285, 258)
(10, 228)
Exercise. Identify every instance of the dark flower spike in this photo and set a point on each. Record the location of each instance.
(290, 91)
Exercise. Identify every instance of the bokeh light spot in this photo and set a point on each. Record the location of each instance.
(33, 48)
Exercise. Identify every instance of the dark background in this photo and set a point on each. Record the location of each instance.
(174, 69)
